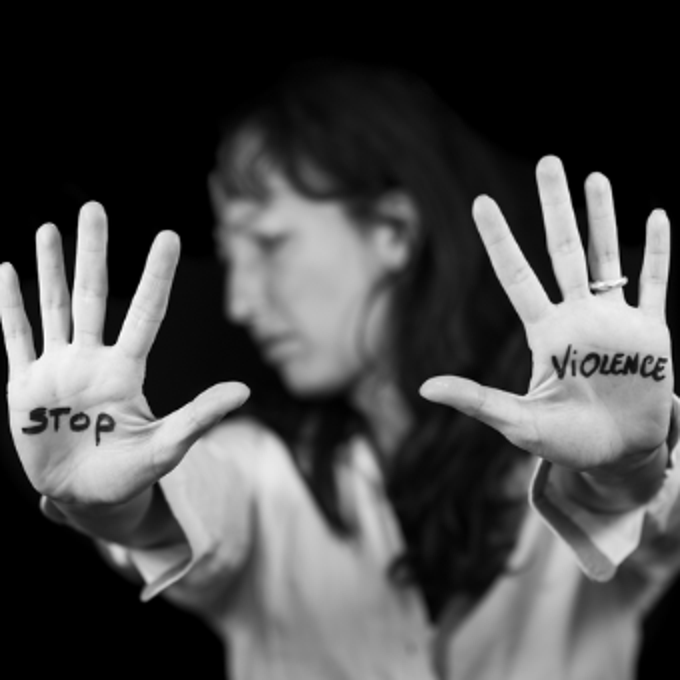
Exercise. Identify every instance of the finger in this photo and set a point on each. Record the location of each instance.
(183, 427)
(564, 242)
(15, 326)
(90, 284)
(655, 265)
(513, 271)
(603, 242)
(150, 302)
(501, 410)
(54, 295)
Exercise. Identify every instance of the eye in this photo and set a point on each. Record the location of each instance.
(221, 247)
(270, 244)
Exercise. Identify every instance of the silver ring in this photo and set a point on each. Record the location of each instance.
(606, 286)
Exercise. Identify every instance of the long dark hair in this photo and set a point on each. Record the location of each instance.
(370, 130)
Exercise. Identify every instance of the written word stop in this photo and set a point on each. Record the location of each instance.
(54, 418)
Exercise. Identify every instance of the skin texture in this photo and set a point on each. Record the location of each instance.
(305, 281)
(301, 277)
(77, 372)
(610, 426)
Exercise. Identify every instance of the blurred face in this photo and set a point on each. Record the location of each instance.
(304, 279)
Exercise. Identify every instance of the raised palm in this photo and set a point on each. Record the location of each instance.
(602, 382)
(81, 425)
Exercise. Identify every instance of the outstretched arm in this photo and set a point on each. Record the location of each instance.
(599, 400)
(82, 428)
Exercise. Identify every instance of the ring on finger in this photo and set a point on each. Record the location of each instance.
(609, 284)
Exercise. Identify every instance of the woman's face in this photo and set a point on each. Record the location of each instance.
(303, 279)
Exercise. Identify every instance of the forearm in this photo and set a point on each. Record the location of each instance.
(145, 521)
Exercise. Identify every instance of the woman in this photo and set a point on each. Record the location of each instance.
(354, 529)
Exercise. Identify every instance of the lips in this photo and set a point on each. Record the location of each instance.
(278, 348)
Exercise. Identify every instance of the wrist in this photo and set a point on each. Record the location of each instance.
(115, 522)
(618, 488)
(144, 521)
(643, 469)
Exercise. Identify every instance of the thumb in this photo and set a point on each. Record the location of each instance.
(183, 427)
(501, 410)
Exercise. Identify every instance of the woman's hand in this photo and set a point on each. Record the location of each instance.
(602, 379)
(80, 422)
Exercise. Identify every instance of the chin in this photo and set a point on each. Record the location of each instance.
(311, 384)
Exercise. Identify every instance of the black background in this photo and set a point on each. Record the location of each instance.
(132, 124)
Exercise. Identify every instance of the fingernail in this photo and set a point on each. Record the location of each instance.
(434, 387)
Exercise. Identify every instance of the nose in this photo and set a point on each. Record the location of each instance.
(244, 291)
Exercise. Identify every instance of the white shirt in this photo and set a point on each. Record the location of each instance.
(293, 600)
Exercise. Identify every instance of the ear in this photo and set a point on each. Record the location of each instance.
(396, 224)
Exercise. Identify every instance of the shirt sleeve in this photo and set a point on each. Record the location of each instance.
(602, 541)
(210, 495)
